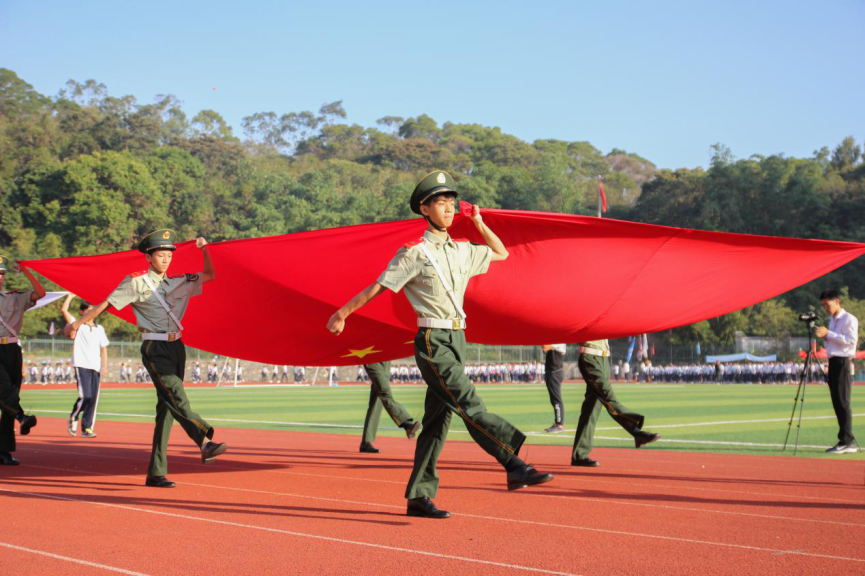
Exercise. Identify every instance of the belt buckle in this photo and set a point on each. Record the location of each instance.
(457, 323)
(172, 336)
(4, 340)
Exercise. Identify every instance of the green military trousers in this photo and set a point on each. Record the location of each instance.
(380, 395)
(440, 355)
(599, 392)
(166, 364)
(10, 388)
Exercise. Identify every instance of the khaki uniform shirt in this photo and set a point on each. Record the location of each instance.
(412, 270)
(602, 345)
(12, 307)
(150, 316)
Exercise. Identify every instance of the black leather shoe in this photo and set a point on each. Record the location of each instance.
(642, 438)
(526, 475)
(425, 508)
(159, 482)
(411, 431)
(368, 448)
(6, 459)
(587, 462)
(27, 422)
(211, 450)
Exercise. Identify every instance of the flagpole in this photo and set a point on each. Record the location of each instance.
(600, 201)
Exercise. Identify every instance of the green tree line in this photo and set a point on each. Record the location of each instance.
(85, 172)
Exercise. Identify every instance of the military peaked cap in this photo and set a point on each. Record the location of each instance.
(434, 183)
(158, 240)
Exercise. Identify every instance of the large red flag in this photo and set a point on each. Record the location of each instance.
(568, 279)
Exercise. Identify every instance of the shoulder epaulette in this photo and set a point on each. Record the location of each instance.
(413, 243)
(15, 292)
(460, 239)
(137, 274)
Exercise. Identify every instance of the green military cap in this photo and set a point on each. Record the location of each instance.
(158, 240)
(436, 182)
(4, 264)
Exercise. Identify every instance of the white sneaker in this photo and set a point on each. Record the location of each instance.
(72, 428)
(841, 448)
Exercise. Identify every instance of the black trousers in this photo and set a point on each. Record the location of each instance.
(554, 374)
(840, 380)
(88, 397)
(11, 364)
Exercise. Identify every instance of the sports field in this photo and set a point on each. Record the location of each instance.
(293, 495)
(745, 419)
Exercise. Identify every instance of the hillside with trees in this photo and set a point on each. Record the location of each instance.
(85, 172)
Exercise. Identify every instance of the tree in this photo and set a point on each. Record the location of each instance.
(846, 154)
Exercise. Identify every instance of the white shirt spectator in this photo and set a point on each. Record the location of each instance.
(87, 347)
(843, 335)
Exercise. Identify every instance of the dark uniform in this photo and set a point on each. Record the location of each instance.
(594, 364)
(440, 348)
(12, 307)
(554, 374)
(381, 396)
(163, 353)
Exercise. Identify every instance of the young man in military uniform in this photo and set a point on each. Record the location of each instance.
(159, 302)
(13, 304)
(380, 395)
(435, 271)
(594, 364)
(554, 374)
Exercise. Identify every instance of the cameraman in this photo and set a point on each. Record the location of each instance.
(841, 338)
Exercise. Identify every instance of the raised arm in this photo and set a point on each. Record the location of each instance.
(336, 324)
(65, 308)
(209, 272)
(71, 329)
(490, 239)
(38, 290)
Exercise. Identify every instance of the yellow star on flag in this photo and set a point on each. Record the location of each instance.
(361, 353)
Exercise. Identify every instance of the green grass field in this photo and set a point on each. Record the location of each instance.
(706, 418)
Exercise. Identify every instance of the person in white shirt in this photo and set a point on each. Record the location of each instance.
(90, 360)
(840, 339)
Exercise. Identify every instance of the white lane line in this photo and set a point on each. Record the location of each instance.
(772, 551)
(535, 494)
(296, 534)
(73, 560)
(630, 440)
(729, 422)
(538, 434)
(581, 480)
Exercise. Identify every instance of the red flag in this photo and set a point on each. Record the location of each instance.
(273, 296)
(603, 196)
(860, 354)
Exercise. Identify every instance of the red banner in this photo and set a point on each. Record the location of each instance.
(568, 279)
(821, 353)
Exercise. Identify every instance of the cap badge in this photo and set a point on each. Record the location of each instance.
(441, 178)
(166, 235)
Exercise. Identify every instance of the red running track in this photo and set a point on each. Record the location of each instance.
(304, 503)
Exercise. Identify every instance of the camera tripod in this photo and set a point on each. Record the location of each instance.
(810, 361)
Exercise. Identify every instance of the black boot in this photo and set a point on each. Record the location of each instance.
(425, 508)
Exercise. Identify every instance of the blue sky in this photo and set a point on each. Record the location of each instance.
(663, 79)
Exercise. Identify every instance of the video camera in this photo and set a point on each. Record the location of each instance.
(810, 317)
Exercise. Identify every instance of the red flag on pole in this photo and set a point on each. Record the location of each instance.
(603, 196)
